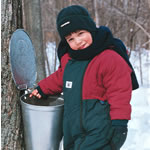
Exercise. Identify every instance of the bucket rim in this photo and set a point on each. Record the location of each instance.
(40, 106)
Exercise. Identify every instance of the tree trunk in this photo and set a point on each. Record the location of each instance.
(11, 131)
(32, 23)
(96, 12)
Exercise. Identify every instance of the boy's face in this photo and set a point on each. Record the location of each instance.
(79, 40)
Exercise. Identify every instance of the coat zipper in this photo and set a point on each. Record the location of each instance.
(81, 113)
(81, 121)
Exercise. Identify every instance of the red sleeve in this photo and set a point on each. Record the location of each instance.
(117, 82)
(53, 84)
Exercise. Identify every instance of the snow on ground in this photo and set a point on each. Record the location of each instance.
(139, 126)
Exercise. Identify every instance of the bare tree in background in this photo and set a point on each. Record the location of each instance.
(11, 130)
(96, 12)
(128, 20)
(32, 23)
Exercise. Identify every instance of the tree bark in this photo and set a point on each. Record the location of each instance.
(96, 12)
(11, 131)
(32, 23)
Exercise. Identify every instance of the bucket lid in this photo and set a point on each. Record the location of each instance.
(22, 60)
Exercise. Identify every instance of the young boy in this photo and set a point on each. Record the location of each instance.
(97, 80)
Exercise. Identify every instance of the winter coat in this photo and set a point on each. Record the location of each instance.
(107, 78)
(95, 92)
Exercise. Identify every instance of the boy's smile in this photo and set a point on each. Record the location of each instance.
(79, 40)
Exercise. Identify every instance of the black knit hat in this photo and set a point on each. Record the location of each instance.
(73, 18)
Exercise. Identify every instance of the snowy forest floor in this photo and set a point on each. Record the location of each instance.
(139, 126)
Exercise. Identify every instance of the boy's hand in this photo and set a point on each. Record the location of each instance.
(35, 93)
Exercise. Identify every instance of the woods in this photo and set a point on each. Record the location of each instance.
(129, 20)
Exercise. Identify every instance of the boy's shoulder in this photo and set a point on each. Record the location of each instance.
(109, 55)
(65, 58)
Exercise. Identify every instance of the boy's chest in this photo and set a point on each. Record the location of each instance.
(84, 75)
(74, 73)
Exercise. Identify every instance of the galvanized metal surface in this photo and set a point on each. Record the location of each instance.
(22, 59)
(42, 119)
(42, 124)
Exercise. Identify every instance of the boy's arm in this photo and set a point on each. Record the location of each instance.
(117, 81)
(53, 84)
(50, 85)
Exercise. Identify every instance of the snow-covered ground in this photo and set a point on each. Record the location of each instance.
(139, 126)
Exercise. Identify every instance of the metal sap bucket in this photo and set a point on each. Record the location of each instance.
(43, 121)
(42, 118)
